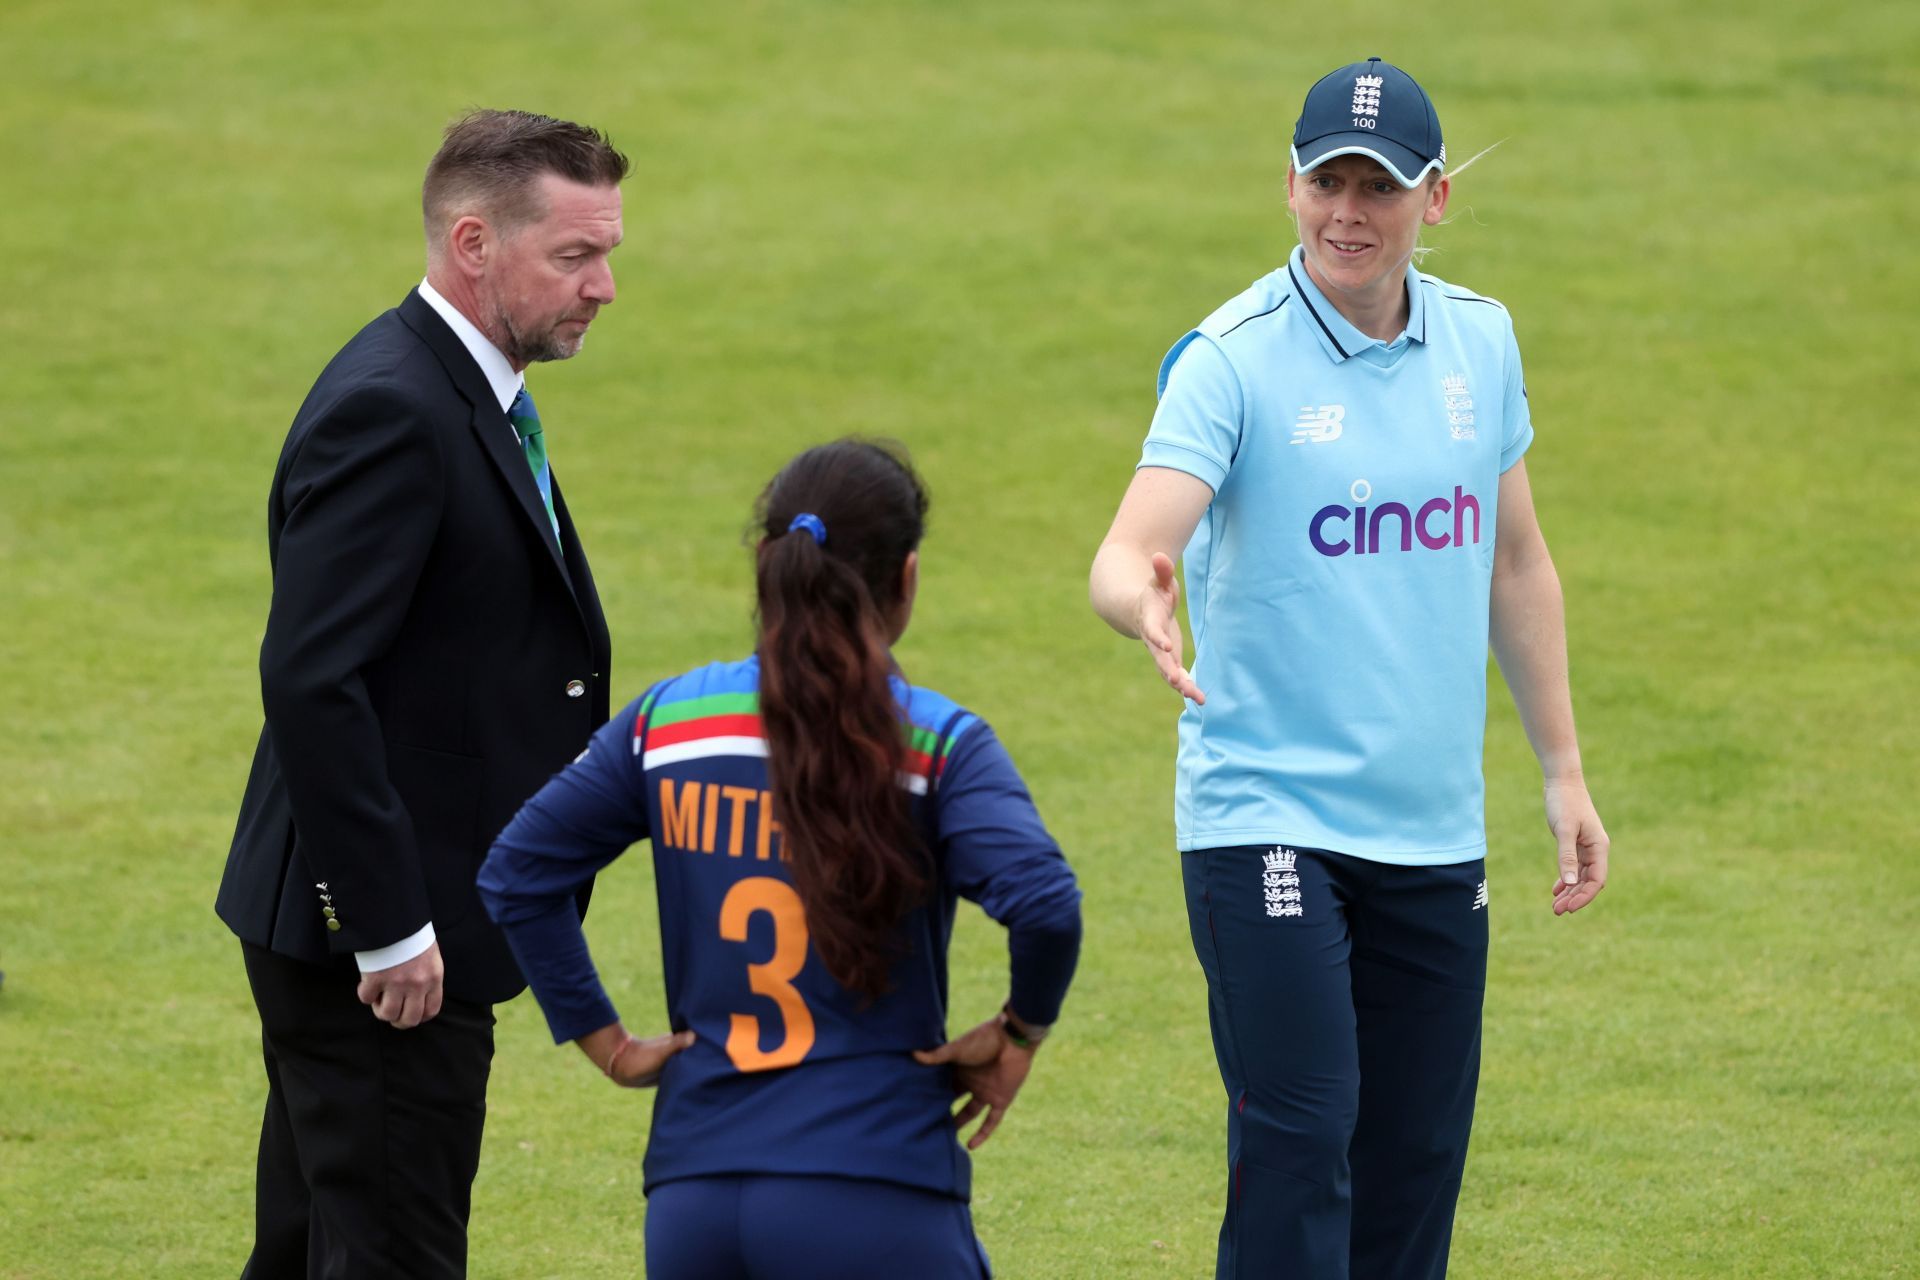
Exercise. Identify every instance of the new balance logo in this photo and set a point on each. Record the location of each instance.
(1480, 897)
(1319, 425)
(1280, 883)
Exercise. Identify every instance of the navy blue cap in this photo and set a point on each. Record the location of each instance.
(1374, 109)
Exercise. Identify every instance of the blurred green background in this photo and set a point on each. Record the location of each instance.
(976, 227)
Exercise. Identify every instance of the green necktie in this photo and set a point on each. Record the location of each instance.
(526, 421)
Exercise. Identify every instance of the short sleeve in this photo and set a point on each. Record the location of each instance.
(1516, 413)
(1196, 428)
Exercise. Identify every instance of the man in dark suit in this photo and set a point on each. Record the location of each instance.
(434, 651)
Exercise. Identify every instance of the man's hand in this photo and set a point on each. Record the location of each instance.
(1158, 622)
(988, 1070)
(1583, 844)
(408, 994)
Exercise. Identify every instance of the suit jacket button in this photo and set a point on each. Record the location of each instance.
(576, 688)
(333, 926)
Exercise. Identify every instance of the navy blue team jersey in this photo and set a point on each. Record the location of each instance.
(790, 1073)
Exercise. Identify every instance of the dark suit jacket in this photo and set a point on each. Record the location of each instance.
(432, 656)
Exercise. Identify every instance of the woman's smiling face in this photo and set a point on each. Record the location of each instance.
(1358, 225)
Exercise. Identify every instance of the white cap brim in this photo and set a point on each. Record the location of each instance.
(1397, 160)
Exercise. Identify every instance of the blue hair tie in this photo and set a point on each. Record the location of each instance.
(812, 524)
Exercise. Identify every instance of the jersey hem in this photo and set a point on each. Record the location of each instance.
(1192, 842)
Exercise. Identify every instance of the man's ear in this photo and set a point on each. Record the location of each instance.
(470, 243)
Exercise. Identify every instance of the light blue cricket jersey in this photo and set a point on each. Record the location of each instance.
(1337, 587)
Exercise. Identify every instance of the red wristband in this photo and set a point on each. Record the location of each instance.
(614, 1057)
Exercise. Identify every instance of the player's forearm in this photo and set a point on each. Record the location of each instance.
(1120, 573)
(1043, 950)
(1529, 634)
(601, 1044)
(552, 954)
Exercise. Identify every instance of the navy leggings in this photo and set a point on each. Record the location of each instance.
(1345, 1000)
(768, 1227)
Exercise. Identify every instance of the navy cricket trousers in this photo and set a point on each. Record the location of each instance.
(807, 1227)
(1345, 1001)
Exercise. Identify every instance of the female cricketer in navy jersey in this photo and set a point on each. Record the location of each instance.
(813, 819)
(1334, 451)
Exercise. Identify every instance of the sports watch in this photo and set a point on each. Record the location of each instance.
(1020, 1031)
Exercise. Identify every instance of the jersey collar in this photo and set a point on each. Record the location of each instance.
(1338, 338)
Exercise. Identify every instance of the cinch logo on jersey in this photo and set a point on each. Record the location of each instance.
(728, 724)
(1336, 530)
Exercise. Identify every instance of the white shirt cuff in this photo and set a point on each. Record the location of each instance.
(397, 953)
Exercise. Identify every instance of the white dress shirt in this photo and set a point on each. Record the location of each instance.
(500, 375)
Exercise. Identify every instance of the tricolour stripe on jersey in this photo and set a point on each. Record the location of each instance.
(728, 724)
(701, 748)
(714, 704)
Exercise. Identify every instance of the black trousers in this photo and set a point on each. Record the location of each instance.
(1345, 999)
(371, 1135)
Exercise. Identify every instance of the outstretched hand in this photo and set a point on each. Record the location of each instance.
(1159, 627)
(1583, 845)
(988, 1070)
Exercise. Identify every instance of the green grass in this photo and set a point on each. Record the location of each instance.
(977, 227)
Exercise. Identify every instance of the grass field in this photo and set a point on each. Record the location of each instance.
(977, 226)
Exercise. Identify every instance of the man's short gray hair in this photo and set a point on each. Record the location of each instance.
(490, 161)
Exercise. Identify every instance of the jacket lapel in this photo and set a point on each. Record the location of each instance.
(488, 420)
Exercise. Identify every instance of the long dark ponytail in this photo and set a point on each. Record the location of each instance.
(829, 592)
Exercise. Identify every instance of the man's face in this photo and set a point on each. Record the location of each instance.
(549, 278)
(1358, 225)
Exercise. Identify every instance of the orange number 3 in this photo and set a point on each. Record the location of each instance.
(774, 979)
